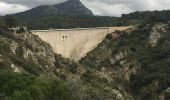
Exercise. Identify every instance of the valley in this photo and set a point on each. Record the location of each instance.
(65, 52)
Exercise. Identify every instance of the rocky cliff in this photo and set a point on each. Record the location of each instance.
(26, 52)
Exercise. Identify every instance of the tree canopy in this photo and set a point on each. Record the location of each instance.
(10, 21)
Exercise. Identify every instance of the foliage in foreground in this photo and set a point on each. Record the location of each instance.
(15, 86)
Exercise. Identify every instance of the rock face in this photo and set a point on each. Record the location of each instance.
(70, 7)
(26, 52)
(139, 66)
(155, 34)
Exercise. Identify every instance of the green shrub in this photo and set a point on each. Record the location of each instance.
(21, 30)
(17, 86)
(10, 21)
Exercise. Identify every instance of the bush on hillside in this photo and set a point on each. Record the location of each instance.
(10, 21)
(21, 30)
(17, 86)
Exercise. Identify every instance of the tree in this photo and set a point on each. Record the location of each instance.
(20, 95)
(2, 24)
(21, 29)
(10, 21)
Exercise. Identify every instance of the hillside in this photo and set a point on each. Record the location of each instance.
(70, 7)
(68, 21)
(69, 14)
(134, 66)
(148, 16)
(29, 70)
(138, 60)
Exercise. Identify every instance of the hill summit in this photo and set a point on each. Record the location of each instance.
(70, 7)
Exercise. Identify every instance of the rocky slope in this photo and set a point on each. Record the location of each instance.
(137, 60)
(28, 56)
(26, 52)
(134, 66)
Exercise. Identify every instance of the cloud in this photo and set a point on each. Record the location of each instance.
(118, 7)
(11, 8)
(99, 7)
(159, 4)
(33, 3)
(115, 7)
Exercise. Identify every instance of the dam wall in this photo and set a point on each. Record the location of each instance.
(75, 43)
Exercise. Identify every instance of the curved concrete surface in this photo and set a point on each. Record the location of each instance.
(75, 43)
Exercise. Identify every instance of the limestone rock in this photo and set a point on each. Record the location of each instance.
(155, 34)
(26, 51)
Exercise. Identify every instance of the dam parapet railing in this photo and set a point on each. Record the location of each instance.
(110, 29)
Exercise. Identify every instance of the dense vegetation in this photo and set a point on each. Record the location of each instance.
(7, 21)
(68, 21)
(14, 86)
(27, 85)
(83, 21)
(153, 77)
(149, 16)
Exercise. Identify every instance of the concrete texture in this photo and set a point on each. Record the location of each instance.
(75, 43)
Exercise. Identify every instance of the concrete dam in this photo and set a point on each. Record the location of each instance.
(75, 43)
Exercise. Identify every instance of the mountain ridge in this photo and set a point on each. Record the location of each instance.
(70, 7)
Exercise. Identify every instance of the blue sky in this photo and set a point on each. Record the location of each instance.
(99, 7)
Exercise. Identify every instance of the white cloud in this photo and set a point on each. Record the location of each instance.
(118, 7)
(101, 8)
(159, 4)
(11, 8)
(33, 3)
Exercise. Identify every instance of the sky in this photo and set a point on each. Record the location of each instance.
(99, 7)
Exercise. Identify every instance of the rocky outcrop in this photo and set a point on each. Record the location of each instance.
(27, 52)
(156, 34)
(165, 94)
